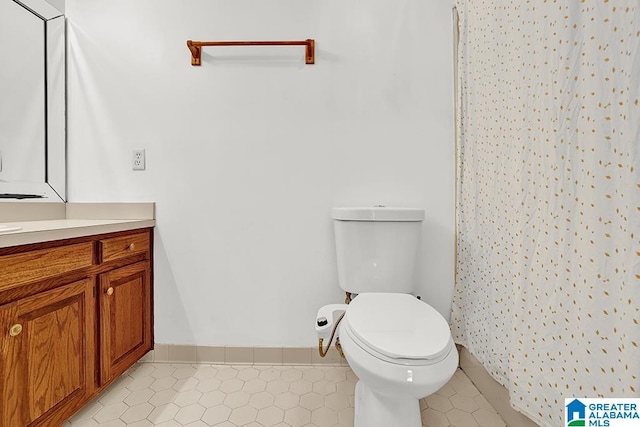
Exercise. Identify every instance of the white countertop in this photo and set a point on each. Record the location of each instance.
(57, 229)
(40, 222)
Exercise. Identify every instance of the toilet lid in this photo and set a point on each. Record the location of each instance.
(398, 326)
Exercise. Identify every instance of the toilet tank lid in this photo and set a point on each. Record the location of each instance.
(377, 213)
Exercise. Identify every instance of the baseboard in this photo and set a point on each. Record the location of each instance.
(493, 391)
(167, 353)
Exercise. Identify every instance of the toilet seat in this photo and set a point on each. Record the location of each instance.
(398, 328)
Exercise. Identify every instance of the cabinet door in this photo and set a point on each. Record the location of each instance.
(125, 318)
(47, 346)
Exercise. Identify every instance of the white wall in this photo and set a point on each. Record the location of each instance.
(247, 153)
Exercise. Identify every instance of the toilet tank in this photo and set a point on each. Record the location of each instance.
(376, 248)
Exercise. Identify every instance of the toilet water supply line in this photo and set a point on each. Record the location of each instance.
(322, 323)
(321, 349)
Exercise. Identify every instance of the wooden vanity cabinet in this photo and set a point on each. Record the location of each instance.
(125, 318)
(74, 315)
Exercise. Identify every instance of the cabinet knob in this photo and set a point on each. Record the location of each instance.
(110, 291)
(15, 330)
(132, 246)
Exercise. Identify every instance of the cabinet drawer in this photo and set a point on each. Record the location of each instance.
(123, 246)
(19, 269)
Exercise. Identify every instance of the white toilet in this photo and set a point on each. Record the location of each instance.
(399, 347)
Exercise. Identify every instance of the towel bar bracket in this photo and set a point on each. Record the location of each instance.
(196, 53)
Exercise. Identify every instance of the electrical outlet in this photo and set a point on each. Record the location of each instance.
(138, 161)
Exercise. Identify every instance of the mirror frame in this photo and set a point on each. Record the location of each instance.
(54, 187)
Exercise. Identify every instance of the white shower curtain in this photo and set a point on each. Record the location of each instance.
(548, 273)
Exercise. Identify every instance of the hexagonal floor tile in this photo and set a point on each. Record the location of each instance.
(270, 416)
(297, 417)
(216, 414)
(261, 400)
(189, 414)
(186, 395)
(243, 415)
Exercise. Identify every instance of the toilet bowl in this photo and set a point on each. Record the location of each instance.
(401, 350)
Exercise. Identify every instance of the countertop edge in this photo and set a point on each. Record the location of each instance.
(38, 236)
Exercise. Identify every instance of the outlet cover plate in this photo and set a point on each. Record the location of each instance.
(138, 162)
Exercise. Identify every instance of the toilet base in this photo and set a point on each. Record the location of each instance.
(375, 410)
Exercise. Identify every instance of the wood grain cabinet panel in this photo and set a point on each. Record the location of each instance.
(125, 318)
(123, 246)
(47, 342)
(26, 267)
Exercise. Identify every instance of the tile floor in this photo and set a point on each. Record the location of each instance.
(176, 395)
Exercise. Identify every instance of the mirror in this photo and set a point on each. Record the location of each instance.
(32, 105)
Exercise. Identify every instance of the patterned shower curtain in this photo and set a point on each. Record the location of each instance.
(548, 273)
